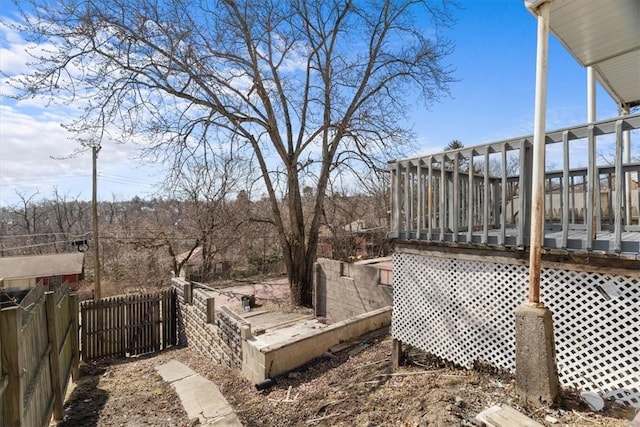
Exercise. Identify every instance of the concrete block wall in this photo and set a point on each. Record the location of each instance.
(231, 329)
(344, 290)
(217, 335)
(225, 337)
(200, 301)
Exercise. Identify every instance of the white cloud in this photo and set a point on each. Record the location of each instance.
(13, 51)
(27, 144)
(37, 153)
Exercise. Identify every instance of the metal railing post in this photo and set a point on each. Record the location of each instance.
(591, 188)
(565, 189)
(539, 141)
(617, 227)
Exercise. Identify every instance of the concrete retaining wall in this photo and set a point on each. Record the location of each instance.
(270, 361)
(344, 290)
(226, 337)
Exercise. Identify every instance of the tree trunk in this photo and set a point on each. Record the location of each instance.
(300, 271)
(300, 256)
(299, 263)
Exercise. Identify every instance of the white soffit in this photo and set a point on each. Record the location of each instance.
(604, 34)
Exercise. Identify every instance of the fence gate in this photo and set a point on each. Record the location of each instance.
(128, 325)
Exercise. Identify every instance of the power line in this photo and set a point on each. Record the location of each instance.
(118, 179)
(77, 236)
(129, 239)
(36, 245)
(31, 182)
(35, 182)
(43, 234)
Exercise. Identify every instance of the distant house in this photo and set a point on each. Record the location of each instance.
(192, 268)
(354, 241)
(52, 270)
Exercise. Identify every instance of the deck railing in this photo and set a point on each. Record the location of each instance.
(482, 194)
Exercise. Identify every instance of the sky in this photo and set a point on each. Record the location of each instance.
(493, 99)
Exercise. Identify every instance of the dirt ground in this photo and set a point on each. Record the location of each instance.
(353, 388)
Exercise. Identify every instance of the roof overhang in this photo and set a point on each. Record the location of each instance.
(604, 35)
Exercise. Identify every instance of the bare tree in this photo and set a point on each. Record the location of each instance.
(70, 216)
(34, 226)
(357, 218)
(206, 186)
(305, 86)
(24, 222)
(27, 212)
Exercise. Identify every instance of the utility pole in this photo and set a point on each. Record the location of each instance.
(94, 207)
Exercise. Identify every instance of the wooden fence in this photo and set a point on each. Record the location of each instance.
(128, 325)
(39, 348)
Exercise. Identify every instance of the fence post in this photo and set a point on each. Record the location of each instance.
(75, 330)
(396, 353)
(3, 379)
(84, 312)
(156, 322)
(166, 316)
(13, 396)
(54, 355)
(173, 325)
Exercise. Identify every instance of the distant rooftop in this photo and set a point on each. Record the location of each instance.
(194, 260)
(23, 267)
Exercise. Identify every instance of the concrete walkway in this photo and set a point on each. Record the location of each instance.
(200, 397)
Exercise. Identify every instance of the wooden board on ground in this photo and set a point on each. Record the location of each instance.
(506, 416)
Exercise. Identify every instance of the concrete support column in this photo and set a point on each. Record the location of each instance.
(536, 372)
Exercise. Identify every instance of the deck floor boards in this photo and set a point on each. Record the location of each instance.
(604, 241)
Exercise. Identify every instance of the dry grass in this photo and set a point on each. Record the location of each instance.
(339, 390)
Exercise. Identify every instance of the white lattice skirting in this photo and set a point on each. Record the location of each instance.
(463, 311)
